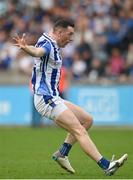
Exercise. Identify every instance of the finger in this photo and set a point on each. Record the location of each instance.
(16, 44)
(23, 35)
(15, 38)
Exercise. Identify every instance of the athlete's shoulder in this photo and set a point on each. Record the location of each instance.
(44, 43)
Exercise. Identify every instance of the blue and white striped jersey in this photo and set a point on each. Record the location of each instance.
(46, 70)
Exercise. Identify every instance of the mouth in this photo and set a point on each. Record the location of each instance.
(69, 42)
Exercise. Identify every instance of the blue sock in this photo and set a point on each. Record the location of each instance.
(65, 148)
(103, 163)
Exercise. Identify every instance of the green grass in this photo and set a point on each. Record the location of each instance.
(26, 153)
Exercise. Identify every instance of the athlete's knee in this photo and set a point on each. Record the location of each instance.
(79, 131)
(89, 122)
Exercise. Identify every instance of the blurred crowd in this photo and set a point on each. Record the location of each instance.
(103, 42)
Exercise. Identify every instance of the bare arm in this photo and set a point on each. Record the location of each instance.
(31, 50)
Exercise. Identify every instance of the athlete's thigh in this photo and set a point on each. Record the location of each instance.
(68, 121)
(80, 113)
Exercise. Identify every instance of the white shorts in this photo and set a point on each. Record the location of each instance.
(48, 106)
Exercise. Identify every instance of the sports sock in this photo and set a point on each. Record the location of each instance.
(103, 163)
(65, 148)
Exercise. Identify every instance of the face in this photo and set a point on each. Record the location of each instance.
(65, 36)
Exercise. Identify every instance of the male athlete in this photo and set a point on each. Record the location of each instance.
(45, 80)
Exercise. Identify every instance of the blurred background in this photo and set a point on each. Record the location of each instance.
(97, 71)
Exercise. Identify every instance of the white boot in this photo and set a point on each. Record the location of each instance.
(115, 164)
(63, 161)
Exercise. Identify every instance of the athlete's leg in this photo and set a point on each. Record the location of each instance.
(84, 118)
(68, 121)
(65, 118)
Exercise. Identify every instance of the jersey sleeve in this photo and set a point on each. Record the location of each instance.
(47, 47)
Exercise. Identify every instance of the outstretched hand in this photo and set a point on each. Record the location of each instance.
(31, 50)
(20, 42)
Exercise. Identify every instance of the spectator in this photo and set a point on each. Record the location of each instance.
(117, 62)
(115, 35)
(101, 26)
(78, 67)
(129, 62)
(115, 8)
(64, 82)
(86, 54)
(96, 70)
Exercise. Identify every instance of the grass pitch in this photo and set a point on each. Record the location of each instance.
(26, 153)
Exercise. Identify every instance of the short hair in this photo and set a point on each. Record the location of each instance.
(64, 23)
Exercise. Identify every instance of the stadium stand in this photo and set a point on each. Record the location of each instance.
(103, 46)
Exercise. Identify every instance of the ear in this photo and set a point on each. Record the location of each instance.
(60, 31)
